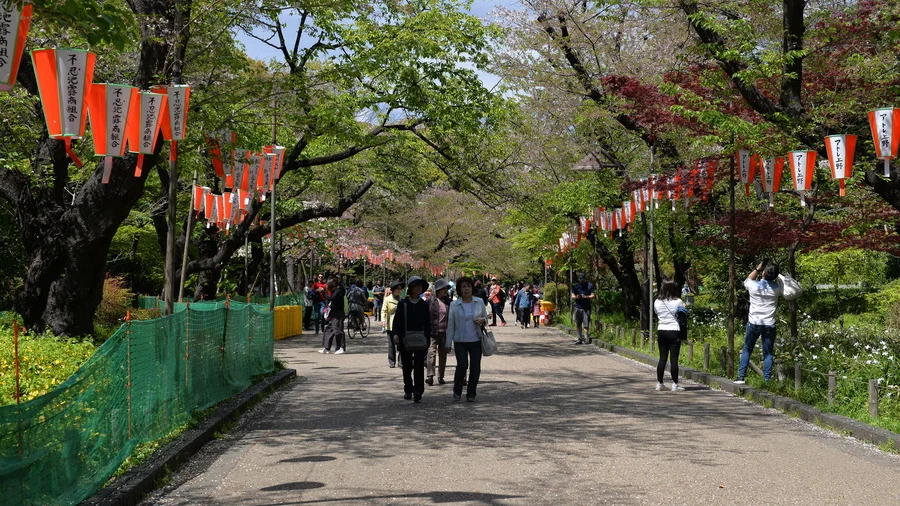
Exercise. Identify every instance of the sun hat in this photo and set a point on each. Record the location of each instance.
(417, 279)
(397, 284)
(441, 284)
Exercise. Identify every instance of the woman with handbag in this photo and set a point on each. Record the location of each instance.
(669, 332)
(412, 332)
(334, 329)
(464, 326)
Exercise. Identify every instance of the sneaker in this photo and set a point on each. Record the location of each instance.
(407, 395)
(456, 397)
(417, 398)
(579, 342)
(441, 381)
(324, 350)
(340, 352)
(470, 398)
(522, 325)
(676, 388)
(429, 381)
(492, 325)
(660, 387)
(503, 324)
(740, 381)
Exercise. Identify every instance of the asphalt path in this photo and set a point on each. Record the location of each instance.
(553, 423)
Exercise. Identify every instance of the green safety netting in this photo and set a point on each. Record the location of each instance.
(145, 381)
(294, 299)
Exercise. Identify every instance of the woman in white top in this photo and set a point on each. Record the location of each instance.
(669, 332)
(464, 324)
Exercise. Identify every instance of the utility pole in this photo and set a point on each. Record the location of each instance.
(187, 239)
(731, 184)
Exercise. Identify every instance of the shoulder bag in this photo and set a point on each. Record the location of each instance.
(488, 342)
(413, 340)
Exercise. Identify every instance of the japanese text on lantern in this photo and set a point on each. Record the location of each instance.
(884, 130)
(838, 155)
(115, 131)
(72, 72)
(149, 124)
(176, 98)
(6, 21)
(800, 169)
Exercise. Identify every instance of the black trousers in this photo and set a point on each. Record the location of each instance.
(468, 356)
(497, 310)
(413, 370)
(669, 346)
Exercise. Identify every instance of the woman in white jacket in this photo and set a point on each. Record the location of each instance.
(464, 327)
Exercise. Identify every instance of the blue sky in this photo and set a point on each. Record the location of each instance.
(480, 8)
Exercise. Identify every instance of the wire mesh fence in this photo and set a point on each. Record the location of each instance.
(143, 382)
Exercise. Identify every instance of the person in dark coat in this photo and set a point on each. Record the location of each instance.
(413, 315)
(334, 330)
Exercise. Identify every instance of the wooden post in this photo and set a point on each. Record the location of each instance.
(706, 356)
(690, 350)
(832, 386)
(652, 342)
(633, 337)
(128, 359)
(798, 376)
(873, 398)
(723, 358)
(779, 369)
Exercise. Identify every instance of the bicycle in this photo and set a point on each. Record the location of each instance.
(357, 321)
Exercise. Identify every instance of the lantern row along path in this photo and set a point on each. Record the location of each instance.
(554, 423)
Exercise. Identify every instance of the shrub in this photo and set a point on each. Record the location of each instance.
(45, 361)
(117, 300)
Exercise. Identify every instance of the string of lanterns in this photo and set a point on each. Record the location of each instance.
(840, 149)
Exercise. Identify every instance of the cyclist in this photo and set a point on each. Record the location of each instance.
(358, 297)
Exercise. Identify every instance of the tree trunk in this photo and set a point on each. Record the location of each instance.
(622, 268)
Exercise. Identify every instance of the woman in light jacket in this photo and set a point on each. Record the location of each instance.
(387, 318)
(467, 317)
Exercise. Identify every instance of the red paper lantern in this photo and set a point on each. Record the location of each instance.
(64, 79)
(109, 106)
(885, 124)
(747, 168)
(143, 126)
(14, 23)
(840, 150)
(803, 164)
(771, 169)
(174, 115)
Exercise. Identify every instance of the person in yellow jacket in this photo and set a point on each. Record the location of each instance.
(387, 319)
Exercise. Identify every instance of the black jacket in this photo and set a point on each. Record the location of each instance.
(337, 302)
(419, 318)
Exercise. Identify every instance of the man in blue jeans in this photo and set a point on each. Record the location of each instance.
(583, 294)
(761, 320)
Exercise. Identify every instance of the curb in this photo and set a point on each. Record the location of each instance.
(130, 488)
(831, 421)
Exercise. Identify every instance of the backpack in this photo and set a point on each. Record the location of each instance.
(502, 296)
(357, 296)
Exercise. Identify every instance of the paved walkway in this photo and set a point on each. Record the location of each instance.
(554, 424)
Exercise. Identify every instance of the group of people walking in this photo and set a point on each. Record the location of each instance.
(422, 333)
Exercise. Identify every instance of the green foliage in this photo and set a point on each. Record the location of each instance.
(134, 256)
(887, 299)
(97, 22)
(44, 362)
